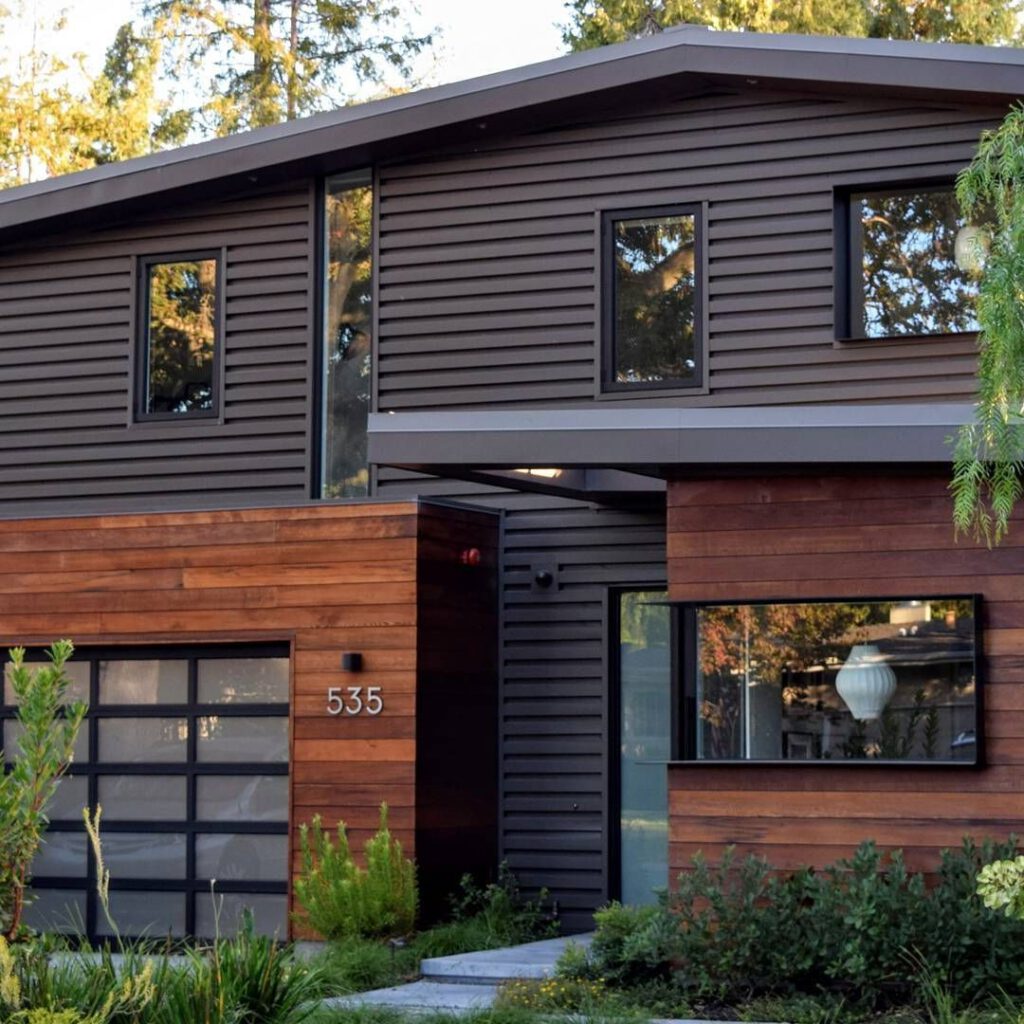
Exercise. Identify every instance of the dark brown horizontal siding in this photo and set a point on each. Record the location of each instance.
(487, 289)
(66, 334)
(839, 537)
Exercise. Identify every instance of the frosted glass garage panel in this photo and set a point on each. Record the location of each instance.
(144, 854)
(56, 910)
(143, 739)
(150, 914)
(71, 795)
(248, 858)
(61, 855)
(242, 798)
(77, 673)
(143, 682)
(143, 797)
(12, 741)
(254, 740)
(269, 913)
(243, 680)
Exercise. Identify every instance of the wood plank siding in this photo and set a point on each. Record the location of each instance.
(487, 256)
(67, 311)
(803, 537)
(326, 580)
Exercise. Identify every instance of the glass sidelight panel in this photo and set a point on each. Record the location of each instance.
(645, 724)
(242, 739)
(152, 914)
(56, 910)
(143, 797)
(246, 858)
(61, 855)
(269, 914)
(145, 854)
(77, 673)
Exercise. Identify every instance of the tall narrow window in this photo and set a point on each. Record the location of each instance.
(347, 319)
(652, 304)
(179, 356)
(645, 724)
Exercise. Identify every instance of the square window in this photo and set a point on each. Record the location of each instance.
(179, 345)
(913, 264)
(651, 319)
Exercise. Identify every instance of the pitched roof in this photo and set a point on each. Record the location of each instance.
(356, 135)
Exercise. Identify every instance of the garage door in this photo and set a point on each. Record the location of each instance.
(186, 750)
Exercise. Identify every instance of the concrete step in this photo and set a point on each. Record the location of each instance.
(534, 960)
(421, 997)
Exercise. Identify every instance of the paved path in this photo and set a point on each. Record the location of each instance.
(467, 981)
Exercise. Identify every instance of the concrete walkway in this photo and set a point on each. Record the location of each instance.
(467, 981)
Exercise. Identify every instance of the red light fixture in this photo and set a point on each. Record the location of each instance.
(470, 556)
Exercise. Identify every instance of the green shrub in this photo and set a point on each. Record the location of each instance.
(357, 965)
(866, 930)
(341, 899)
(488, 917)
(47, 743)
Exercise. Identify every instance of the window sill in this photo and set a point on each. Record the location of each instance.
(795, 763)
(903, 339)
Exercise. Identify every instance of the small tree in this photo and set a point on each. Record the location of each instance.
(341, 899)
(988, 465)
(46, 747)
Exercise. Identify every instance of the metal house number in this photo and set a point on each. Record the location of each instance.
(354, 700)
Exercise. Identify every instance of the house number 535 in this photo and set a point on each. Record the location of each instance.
(354, 700)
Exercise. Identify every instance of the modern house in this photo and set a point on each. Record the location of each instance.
(560, 457)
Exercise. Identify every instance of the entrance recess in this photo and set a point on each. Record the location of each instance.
(186, 750)
(644, 662)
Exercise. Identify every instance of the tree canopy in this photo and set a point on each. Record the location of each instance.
(598, 22)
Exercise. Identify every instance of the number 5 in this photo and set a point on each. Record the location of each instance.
(374, 701)
(335, 705)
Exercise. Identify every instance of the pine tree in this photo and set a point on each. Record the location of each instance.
(597, 22)
(276, 60)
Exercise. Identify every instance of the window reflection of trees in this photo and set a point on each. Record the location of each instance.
(767, 681)
(654, 279)
(911, 282)
(347, 330)
(182, 336)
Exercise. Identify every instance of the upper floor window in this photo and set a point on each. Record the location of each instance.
(913, 264)
(178, 365)
(651, 316)
(346, 341)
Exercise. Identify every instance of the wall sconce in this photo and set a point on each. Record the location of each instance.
(352, 661)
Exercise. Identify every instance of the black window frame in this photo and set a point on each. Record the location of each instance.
(608, 383)
(191, 886)
(684, 674)
(140, 350)
(849, 257)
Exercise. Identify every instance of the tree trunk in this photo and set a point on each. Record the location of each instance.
(293, 60)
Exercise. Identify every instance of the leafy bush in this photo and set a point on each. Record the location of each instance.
(358, 965)
(341, 899)
(47, 743)
(488, 917)
(867, 930)
(576, 995)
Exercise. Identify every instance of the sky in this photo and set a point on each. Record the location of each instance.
(476, 36)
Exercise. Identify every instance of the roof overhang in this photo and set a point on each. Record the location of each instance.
(665, 442)
(681, 60)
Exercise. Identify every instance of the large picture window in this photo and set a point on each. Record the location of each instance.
(179, 353)
(651, 296)
(186, 750)
(837, 681)
(914, 264)
(347, 327)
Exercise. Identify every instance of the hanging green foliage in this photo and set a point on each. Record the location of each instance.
(988, 466)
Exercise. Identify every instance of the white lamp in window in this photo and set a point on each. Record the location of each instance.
(971, 248)
(866, 683)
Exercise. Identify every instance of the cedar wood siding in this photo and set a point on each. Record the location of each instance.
(487, 257)
(852, 536)
(66, 336)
